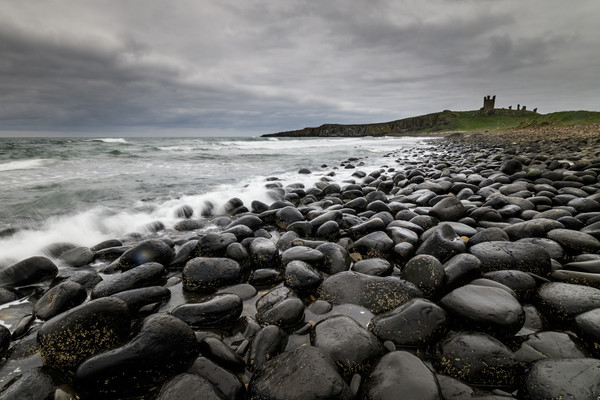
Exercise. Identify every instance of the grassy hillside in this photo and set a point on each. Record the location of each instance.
(452, 121)
(469, 121)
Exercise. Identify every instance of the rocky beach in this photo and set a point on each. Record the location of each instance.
(468, 268)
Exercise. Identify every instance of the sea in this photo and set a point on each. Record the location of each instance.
(84, 191)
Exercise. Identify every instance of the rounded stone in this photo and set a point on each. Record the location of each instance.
(186, 386)
(279, 307)
(574, 241)
(141, 276)
(400, 374)
(164, 346)
(498, 256)
(351, 346)
(299, 374)
(152, 250)
(425, 272)
(418, 322)
(565, 301)
(207, 274)
(477, 359)
(486, 309)
(373, 266)
(217, 311)
(268, 342)
(60, 298)
(28, 271)
(568, 378)
(301, 277)
(93, 327)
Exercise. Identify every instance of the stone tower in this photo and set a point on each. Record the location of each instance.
(488, 104)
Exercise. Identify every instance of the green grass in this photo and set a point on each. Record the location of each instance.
(472, 121)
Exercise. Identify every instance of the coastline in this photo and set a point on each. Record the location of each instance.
(472, 258)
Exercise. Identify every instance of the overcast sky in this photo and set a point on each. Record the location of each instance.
(260, 66)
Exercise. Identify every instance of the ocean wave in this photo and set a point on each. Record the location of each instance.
(108, 140)
(22, 164)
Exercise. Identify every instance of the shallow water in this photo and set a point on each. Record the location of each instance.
(84, 191)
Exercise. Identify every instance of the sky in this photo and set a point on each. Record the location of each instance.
(248, 67)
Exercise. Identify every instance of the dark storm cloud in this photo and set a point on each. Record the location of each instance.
(259, 66)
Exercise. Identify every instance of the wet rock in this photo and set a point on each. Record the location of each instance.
(106, 244)
(286, 216)
(265, 277)
(263, 254)
(576, 277)
(163, 347)
(217, 311)
(574, 241)
(77, 257)
(152, 250)
(207, 274)
(425, 272)
(555, 378)
(285, 377)
(335, 258)
(241, 232)
(221, 379)
(509, 167)
(29, 271)
(373, 266)
(111, 253)
(484, 309)
(251, 221)
(460, 269)
(268, 342)
(448, 209)
(329, 230)
(6, 296)
(301, 277)
(564, 301)
(476, 358)
(351, 346)
(185, 253)
(279, 307)
(588, 326)
(523, 284)
(533, 228)
(364, 228)
(400, 373)
(143, 275)
(488, 235)
(222, 354)
(186, 386)
(138, 298)
(4, 340)
(497, 256)
(34, 384)
(93, 327)
(301, 253)
(402, 235)
(553, 249)
(214, 244)
(328, 216)
(378, 294)
(443, 243)
(376, 244)
(59, 299)
(418, 322)
(549, 345)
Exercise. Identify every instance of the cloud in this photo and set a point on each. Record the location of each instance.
(258, 66)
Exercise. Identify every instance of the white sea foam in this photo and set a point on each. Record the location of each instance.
(22, 164)
(108, 140)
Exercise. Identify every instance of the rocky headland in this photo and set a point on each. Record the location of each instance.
(469, 270)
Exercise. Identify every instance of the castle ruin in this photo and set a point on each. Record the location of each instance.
(488, 104)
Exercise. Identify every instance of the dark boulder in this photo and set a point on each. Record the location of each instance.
(188, 386)
(29, 271)
(418, 322)
(351, 346)
(35, 384)
(268, 342)
(138, 298)
(143, 275)
(279, 307)
(373, 266)
(484, 309)
(60, 298)
(301, 277)
(376, 244)
(214, 244)
(335, 258)
(208, 274)
(425, 272)
(264, 254)
(400, 374)
(224, 381)
(564, 301)
(218, 311)
(77, 257)
(497, 256)
(152, 250)
(93, 327)
(477, 359)
(448, 209)
(574, 242)
(304, 373)
(443, 243)
(588, 326)
(163, 347)
(375, 293)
